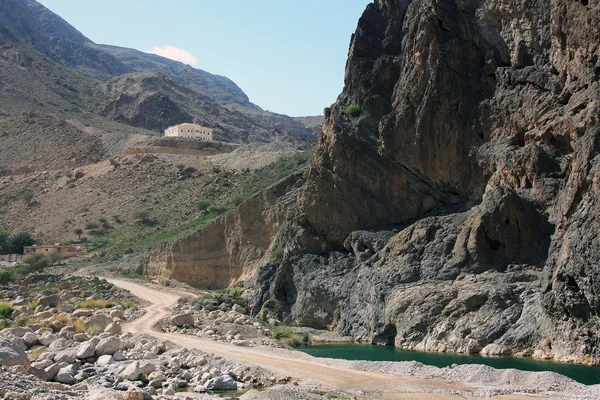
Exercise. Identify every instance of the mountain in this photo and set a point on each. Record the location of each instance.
(33, 23)
(453, 201)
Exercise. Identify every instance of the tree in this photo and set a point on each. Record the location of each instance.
(36, 263)
(19, 240)
(78, 232)
(3, 242)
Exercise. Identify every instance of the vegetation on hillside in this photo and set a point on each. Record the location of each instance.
(14, 244)
(226, 191)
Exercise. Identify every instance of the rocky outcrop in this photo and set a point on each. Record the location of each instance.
(473, 144)
(230, 248)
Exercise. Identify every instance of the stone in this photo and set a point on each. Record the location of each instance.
(109, 345)
(49, 301)
(82, 312)
(146, 367)
(86, 350)
(115, 313)
(81, 337)
(119, 356)
(221, 382)
(47, 339)
(98, 320)
(30, 339)
(63, 377)
(182, 319)
(114, 328)
(133, 393)
(105, 360)
(12, 354)
(131, 372)
(19, 331)
(52, 371)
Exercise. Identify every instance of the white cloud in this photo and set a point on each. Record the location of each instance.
(174, 54)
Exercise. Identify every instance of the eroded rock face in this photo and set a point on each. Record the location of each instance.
(231, 247)
(477, 140)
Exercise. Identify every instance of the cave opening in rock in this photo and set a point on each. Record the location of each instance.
(387, 337)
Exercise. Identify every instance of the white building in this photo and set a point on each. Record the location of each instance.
(190, 131)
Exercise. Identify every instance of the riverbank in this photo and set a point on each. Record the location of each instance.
(367, 379)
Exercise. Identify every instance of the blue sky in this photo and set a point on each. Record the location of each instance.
(287, 56)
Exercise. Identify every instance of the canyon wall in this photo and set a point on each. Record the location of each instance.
(458, 210)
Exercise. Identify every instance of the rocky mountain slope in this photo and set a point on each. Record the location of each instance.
(455, 208)
(222, 99)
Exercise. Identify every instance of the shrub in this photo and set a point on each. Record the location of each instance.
(281, 333)
(7, 276)
(217, 210)
(26, 195)
(203, 204)
(36, 263)
(237, 200)
(78, 232)
(91, 226)
(144, 217)
(353, 110)
(78, 174)
(277, 254)
(6, 311)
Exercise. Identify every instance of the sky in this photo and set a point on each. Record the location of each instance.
(287, 56)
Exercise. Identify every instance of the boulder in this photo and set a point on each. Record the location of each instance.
(81, 337)
(109, 345)
(103, 361)
(182, 319)
(103, 394)
(98, 320)
(82, 312)
(19, 331)
(133, 393)
(47, 339)
(222, 382)
(131, 372)
(12, 354)
(114, 328)
(52, 371)
(30, 339)
(86, 350)
(49, 301)
(63, 377)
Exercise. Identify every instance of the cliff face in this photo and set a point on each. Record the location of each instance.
(231, 248)
(473, 164)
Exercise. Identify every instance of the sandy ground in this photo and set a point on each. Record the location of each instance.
(329, 373)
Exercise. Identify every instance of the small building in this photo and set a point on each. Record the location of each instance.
(11, 258)
(61, 251)
(194, 131)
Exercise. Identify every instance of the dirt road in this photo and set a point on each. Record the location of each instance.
(293, 363)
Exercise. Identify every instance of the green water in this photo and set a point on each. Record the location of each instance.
(580, 373)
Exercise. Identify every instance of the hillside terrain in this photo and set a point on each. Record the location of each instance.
(143, 90)
(452, 201)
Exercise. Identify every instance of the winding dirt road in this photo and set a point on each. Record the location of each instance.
(292, 363)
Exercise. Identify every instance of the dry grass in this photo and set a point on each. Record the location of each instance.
(94, 329)
(36, 353)
(77, 323)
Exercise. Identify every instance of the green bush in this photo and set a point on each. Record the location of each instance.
(90, 226)
(78, 232)
(203, 204)
(36, 263)
(353, 110)
(217, 210)
(7, 276)
(277, 254)
(237, 200)
(281, 333)
(144, 217)
(6, 311)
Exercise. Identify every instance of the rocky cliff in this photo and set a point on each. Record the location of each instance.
(232, 248)
(456, 207)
